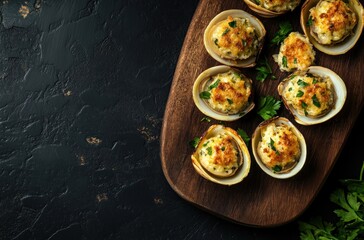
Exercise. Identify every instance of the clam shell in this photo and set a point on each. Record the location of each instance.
(340, 94)
(293, 170)
(211, 47)
(263, 12)
(340, 47)
(245, 161)
(202, 104)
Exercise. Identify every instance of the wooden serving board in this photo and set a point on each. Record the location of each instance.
(259, 200)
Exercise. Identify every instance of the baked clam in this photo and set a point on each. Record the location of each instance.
(295, 53)
(313, 96)
(272, 8)
(234, 38)
(279, 148)
(332, 26)
(221, 156)
(223, 93)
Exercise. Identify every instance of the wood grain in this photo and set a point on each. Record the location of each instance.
(259, 200)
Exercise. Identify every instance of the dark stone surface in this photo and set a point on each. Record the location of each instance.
(83, 88)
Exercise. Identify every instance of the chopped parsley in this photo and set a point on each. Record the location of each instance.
(271, 145)
(299, 93)
(215, 84)
(315, 101)
(277, 168)
(284, 61)
(292, 76)
(194, 142)
(309, 22)
(230, 101)
(209, 150)
(243, 135)
(304, 106)
(295, 60)
(206, 119)
(302, 83)
(244, 42)
(232, 24)
(314, 81)
(216, 41)
(225, 32)
(268, 107)
(237, 75)
(205, 95)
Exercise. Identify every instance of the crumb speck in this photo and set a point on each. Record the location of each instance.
(93, 140)
(67, 93)
(24, 11)
(158, 201)
(101, 197)
(147, 133)
(82, 160)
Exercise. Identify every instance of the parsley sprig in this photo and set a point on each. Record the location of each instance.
(264, 70)
(243, 135)
(350, 223)
(284, 29)
(268, 107)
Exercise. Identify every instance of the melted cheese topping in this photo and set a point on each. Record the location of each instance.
(311, 95)
(235, 38)
(296, 52)
(278, 5)
(229, 92)
(332, 21)
(220, 155)
(279, 148)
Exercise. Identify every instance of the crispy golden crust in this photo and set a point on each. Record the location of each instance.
(332, 21)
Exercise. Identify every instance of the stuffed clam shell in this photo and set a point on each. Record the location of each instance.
(279, 148)
(234, 38)
(313, 96)
(332, 26)
(223, 93)
(272, 8)
(221, 156)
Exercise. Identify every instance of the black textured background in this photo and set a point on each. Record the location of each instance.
(83, 88)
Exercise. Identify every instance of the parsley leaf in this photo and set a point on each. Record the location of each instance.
(302, 83)
(299, 93)
(194, 142)
(225, 32)
(315, 101)
(232, 24)
(214, 85)
(206, 119)
(284, 29)
(264, 70)
(309, 21)
(277, 168)
(284, 61)
(243, 135)
(209, 150)
(205, 95)
(268, 107)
